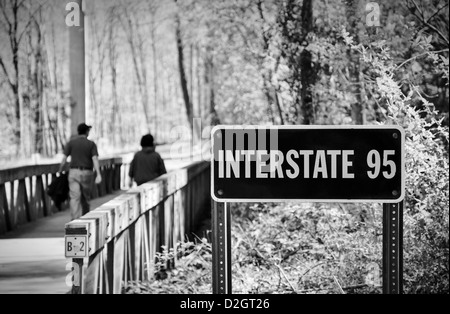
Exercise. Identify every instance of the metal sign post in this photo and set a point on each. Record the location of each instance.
(393, 248)
(221, 224)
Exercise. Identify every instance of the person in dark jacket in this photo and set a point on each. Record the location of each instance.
(147, 164)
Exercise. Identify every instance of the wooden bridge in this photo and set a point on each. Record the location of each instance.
(125, 228)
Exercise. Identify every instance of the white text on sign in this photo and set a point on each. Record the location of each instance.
(306, 164)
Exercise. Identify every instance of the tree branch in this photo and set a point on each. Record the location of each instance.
(3, 9)
(339, 285)
(2, 64)
(418, 56)
(286, 278)
(426, 22)
(437, 12)
(32, 18)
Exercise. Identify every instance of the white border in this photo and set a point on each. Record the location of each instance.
(311, 127)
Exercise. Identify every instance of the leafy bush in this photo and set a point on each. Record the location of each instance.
(283, 249)
(306, 248)
(189, 271)
(427, 168)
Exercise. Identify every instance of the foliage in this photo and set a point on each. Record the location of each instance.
(427, 169)
(306, 249)
(190, 271)
(283, 250)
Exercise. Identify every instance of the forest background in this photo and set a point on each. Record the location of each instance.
(153, 66)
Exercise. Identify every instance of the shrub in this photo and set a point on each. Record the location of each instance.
(426, 238)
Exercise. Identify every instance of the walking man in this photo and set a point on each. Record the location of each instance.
(84, 159)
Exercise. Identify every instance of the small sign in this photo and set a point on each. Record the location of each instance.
(308, 163)
(76, 247)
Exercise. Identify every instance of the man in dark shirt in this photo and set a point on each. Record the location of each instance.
(147, 164)
(84, 158)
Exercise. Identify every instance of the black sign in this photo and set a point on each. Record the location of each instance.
(312, 164)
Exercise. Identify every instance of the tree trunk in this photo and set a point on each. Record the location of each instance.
(37, 78)
(279, 105)
(155, 74)
(306, 66)
(138, 57)
(269, 97)
(18, 103)
(115, 128)
(183, 79)
(267, 74)
(191, 78)
(13, 76)
(144, 85)
(199, 112)
(210, 88)
(358, 112)
(163, 107)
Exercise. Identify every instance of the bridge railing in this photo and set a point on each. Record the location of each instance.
(23, 191)
(124, 235)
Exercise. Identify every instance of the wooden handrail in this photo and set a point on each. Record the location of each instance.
(23, 191)
(124, 234)
(19, 173)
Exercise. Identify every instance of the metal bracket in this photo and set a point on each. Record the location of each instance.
(221, 222)
(393, 248)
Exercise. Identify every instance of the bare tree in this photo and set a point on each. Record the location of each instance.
(36, 80)
(153, 9)
(96, 71)
(199, 83)
(182, 70)
(135, 41)
(10, 11)
(17, 17)
(113, 59)
(210, 86)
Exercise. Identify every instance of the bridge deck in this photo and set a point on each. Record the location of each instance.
(32, 258)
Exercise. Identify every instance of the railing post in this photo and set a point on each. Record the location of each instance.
(40, 199)
(48, 204)
(110, 267)
(5, 224)
(117, 176)
(23, 206)
(13, 206)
